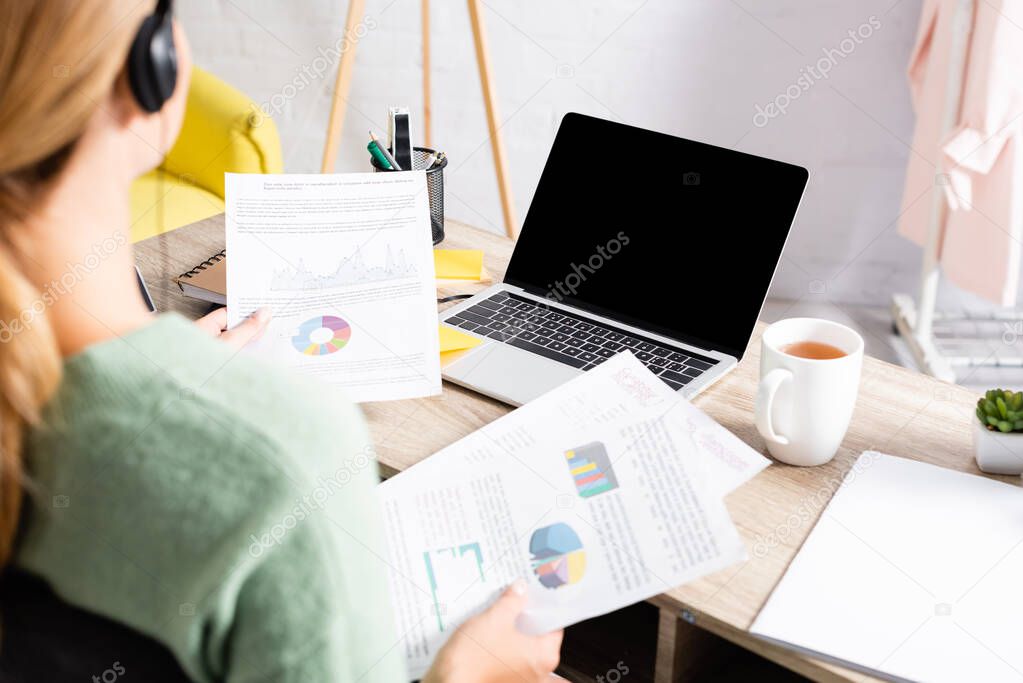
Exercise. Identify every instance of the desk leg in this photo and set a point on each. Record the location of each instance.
(684, 652)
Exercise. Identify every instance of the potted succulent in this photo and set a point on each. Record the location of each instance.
(998, 432)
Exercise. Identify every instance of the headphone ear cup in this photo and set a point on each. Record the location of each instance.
(164, 59)
(153, 63)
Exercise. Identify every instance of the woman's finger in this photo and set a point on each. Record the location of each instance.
(549, 650)
(248, 329)
(511, 603)
(213, 322)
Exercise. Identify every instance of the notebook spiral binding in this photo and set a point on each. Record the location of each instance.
(212, 260)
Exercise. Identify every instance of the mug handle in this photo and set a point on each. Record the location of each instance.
(769, 386)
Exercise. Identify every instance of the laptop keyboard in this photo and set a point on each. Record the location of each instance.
(573, 340)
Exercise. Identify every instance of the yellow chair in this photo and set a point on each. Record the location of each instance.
(223, 131)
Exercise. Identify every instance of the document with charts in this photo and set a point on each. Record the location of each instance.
(601, 493)
(345, 263)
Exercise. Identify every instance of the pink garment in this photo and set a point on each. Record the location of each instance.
(981, 158)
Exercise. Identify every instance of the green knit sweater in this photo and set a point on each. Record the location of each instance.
(216, 504)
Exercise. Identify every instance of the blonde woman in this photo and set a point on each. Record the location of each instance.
(140, 457)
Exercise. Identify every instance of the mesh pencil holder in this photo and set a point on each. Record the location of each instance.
(434, 186)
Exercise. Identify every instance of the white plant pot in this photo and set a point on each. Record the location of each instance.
(997, 453)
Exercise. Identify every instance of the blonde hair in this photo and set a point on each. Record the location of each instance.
(58, 62)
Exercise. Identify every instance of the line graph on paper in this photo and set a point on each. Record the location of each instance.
(356, 270)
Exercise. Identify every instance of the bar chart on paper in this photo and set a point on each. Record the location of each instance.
(591, 470)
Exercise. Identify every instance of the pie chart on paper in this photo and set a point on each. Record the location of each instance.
(322, 335)
(558, 556)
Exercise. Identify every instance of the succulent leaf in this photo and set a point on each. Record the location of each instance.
(1001, 409)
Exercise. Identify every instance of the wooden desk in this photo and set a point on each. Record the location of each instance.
(899, 412)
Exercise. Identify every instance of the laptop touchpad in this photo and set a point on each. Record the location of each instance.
(510, 374)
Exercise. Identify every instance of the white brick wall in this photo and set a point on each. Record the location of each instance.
(695, 68)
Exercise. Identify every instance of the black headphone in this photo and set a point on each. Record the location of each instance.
(153, 60)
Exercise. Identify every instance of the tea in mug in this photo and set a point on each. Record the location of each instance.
(813, 350)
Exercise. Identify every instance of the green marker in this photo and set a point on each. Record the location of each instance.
(385, 152)
(374, 150)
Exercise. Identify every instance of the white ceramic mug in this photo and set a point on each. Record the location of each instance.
(804, 405)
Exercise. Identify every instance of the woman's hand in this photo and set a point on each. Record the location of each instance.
(215, 323)
(490, 649)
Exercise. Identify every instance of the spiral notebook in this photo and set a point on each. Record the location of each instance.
(207, 280)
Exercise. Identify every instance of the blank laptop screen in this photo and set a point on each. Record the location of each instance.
(670, 235)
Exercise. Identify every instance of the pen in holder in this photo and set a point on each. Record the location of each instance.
(434, 186)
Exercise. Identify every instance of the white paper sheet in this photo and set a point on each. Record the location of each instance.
(345, 263)
(601, 493)
(912, 573)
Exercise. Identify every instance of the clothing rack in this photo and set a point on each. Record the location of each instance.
(914, 321)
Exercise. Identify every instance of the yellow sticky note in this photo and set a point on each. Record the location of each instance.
(456, 340)
(458, 264)
(453, 342)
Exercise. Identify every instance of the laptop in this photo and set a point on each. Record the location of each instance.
(634, 240)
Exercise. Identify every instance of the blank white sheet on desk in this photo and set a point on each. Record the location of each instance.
(913, 572)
